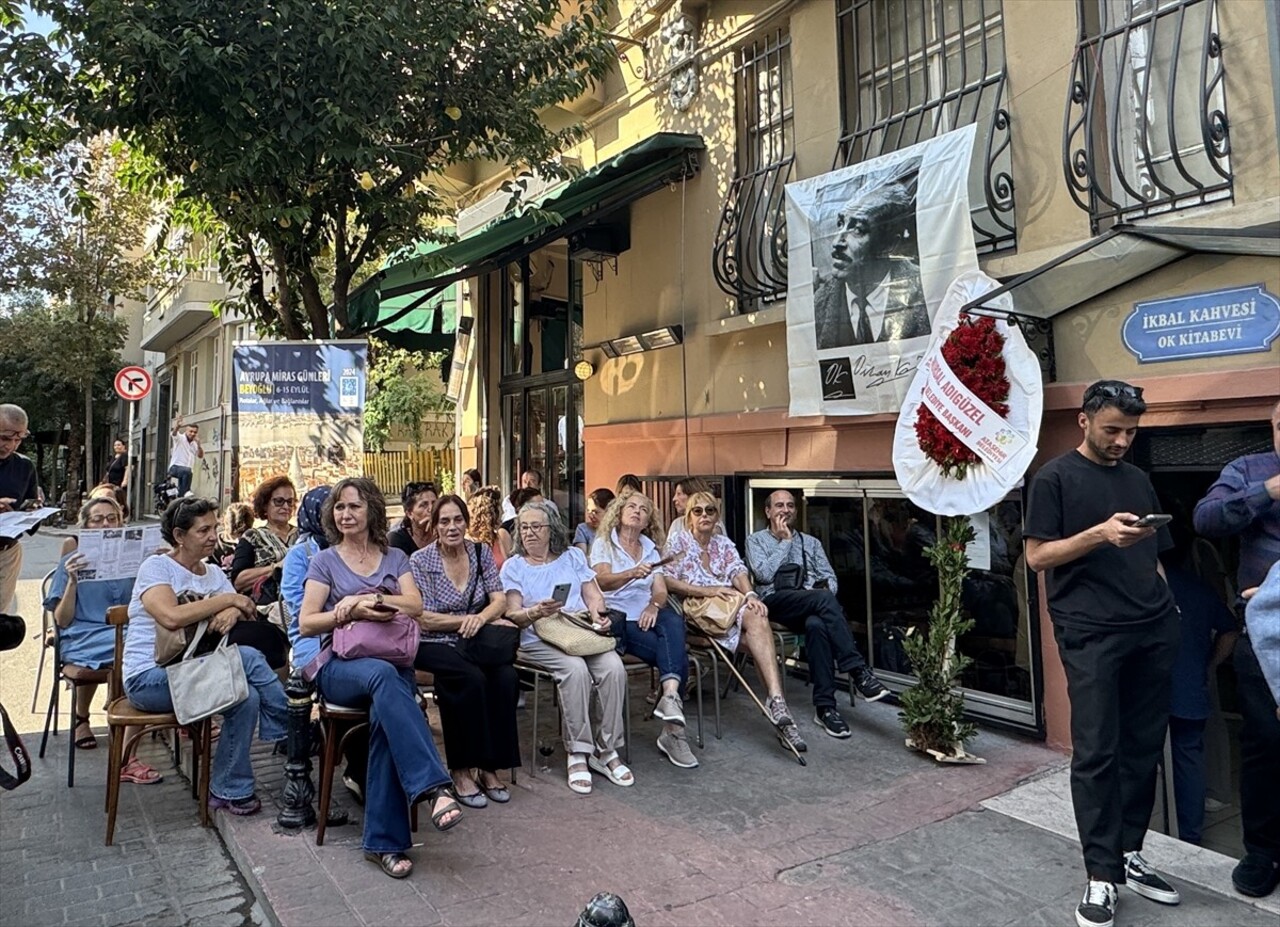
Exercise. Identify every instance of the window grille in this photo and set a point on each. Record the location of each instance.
(911, 70)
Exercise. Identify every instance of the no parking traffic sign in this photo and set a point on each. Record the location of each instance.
(133, 383)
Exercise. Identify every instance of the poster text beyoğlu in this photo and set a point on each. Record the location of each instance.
(299, 410)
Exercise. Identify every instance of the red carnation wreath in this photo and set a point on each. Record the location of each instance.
(975, 352)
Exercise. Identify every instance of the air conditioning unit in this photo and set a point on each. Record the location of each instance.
(600, 242)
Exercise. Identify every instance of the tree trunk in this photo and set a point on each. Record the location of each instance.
(88, 437)
(75, 444)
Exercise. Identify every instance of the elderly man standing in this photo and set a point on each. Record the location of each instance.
(794, 579)
(1245, 502)
(17, 488)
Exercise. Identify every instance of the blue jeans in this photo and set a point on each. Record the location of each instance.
(183, 476)
(662, 646)
(404, 766)
(231, 777)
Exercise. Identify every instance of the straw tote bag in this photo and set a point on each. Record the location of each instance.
(573, 633)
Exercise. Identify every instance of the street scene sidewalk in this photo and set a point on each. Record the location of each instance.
(867, 833)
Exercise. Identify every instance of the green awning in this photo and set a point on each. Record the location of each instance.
(395, 296)
(411, 323)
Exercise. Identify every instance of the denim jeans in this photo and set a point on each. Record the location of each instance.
(183, 476)
(662, 646)
(404, 765)
(231, 777)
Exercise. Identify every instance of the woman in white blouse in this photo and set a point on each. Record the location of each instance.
(626, 558)
(542, 561)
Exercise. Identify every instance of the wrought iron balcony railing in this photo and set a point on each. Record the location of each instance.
(749, 258)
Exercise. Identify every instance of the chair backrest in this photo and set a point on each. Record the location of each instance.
(117, 617)
(47, 624)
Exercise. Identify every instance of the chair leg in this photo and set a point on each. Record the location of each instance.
(115, 751)
(533, 747)
(71, 740)
(205, 774)
(697, 687)
(35, 690)
(715, 692)
(327, 761)
(50, 718)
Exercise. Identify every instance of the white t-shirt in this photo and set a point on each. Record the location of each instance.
(184, 451)
(537, 581)
(163, 570)
(635, 596)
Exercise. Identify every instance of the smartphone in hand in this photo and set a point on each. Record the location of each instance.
(1151, 521)
(384, 607)
(561, 593)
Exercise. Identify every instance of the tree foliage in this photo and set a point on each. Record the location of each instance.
(403, 387)
(304, 132)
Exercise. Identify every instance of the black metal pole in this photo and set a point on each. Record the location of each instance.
(297, 812)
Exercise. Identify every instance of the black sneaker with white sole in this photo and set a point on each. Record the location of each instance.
(865, 683)
(1098, 906)
(1148, 883)
(830, 721)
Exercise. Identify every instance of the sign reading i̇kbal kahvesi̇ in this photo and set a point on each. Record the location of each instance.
(1242, 320)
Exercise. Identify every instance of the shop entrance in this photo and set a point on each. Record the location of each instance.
(1183, 463)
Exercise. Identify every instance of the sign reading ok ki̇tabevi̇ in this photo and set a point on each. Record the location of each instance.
(1241, 320)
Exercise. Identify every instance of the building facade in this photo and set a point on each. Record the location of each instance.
(1126, 153)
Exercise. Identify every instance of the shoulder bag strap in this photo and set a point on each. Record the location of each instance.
(475, 575)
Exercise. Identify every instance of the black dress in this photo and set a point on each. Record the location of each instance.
(115, 470)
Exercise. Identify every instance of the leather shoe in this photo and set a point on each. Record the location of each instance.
(1255, 876)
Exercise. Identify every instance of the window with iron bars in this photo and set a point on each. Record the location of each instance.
(911, 70)
(749, 258)
(1146, 128)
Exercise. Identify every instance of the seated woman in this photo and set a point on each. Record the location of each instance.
(470, 647)
(352, 580)
(625, 557)
(237, 518)
(544, 560)
(415, 530)
(597, 502)
(485, 505)
(80, 610)
(707, 564)
(260, 550)
(178, 589)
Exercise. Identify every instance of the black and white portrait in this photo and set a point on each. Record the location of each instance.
(866, 285)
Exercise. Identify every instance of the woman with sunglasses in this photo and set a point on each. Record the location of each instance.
(261, 549)
(707, 564)
(416, 529)
(84, 637)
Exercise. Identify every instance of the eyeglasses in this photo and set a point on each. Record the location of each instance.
(534, 529)
(283, 503)
(109, 519)
(1112, 391)
(14, 436)
(699, 510)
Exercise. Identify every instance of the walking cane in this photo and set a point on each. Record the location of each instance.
(718, 649)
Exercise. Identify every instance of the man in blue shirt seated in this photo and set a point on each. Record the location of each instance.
(794, 579)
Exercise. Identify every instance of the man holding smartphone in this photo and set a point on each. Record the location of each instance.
(1116, 626)
(794, 579)
(17, 489)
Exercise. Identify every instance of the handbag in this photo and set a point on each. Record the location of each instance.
(792, 575)
(395, 640)
(200, 687)
(493, 644)
(573, 633)
(714, 615)
(170, 645)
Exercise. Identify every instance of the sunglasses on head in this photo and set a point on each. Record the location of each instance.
(1112, 391)
(701, 510)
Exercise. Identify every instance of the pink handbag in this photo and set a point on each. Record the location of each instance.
(395, 641)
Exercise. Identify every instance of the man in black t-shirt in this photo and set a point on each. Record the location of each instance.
(1117, 630)
(17, 488)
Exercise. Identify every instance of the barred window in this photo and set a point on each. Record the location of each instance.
(1146, 123)
(750, 254)
(911, 70)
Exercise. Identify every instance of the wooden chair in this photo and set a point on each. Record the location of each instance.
(121, 715)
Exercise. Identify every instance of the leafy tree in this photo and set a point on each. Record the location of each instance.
(304, 133)
(403, 387)
(67, 259)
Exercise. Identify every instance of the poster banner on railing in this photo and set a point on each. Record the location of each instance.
(299, 408)
(871, 249)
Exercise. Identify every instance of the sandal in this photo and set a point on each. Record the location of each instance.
(139, 773)
(579, 778)
(388, 863)
(620, 774)
(88, 741)
(438, 814)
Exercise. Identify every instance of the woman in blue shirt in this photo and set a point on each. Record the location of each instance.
(85, 638)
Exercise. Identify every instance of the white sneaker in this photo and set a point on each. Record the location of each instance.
(1148, 883)
(1098, 906)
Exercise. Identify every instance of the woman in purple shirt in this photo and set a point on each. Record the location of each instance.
(347, 582)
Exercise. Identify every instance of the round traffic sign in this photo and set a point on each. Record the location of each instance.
(133, 383)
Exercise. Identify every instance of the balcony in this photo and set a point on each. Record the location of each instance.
(177, 311)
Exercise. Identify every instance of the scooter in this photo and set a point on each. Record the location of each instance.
(165, 492)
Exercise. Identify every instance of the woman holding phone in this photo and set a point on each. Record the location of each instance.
(543, 576)
(628, 565)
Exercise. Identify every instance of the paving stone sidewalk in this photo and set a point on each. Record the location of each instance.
(163, 868)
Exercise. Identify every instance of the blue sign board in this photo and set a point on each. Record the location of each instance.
(1242, 320)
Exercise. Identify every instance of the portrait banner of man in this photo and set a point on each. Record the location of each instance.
(872, 248)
